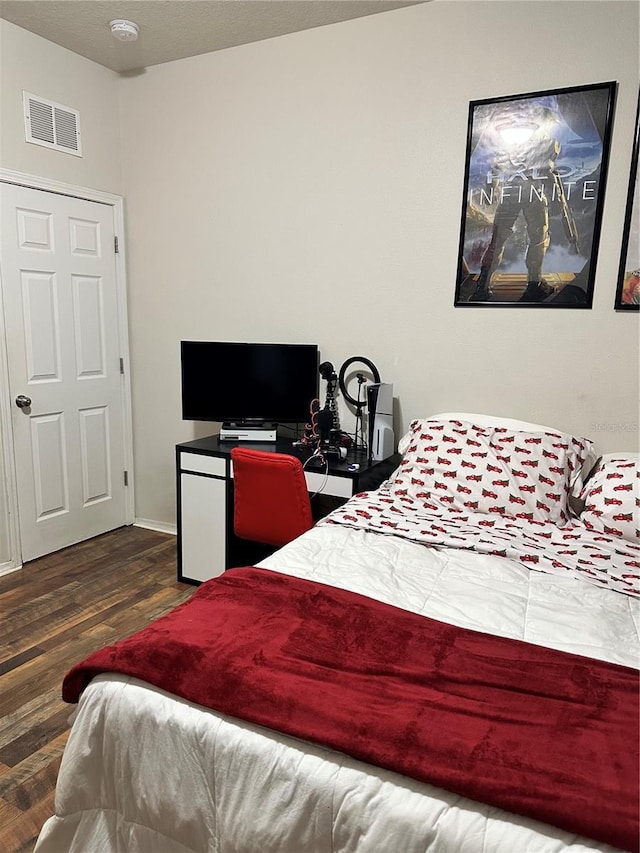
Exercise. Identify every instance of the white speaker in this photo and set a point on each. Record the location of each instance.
(380, 408)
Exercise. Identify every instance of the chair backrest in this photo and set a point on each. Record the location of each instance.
(271, 500)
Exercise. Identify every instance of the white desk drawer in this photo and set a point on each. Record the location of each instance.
(339, 487)
(200, 464)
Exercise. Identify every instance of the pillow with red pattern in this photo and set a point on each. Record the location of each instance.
(612, 496)
(466, 467)
(518, 426)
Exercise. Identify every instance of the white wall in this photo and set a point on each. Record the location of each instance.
(33, 64)
(309, 188)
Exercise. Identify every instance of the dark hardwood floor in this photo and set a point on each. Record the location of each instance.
(54, 612)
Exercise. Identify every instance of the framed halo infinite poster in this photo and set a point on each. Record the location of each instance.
(535, 176)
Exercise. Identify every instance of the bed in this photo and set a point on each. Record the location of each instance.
(475, 538)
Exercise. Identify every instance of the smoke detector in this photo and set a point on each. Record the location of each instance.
(124, 30)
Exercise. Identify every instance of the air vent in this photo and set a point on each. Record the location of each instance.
(52, 125)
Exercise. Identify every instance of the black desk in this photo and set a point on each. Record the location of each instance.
(206, 541)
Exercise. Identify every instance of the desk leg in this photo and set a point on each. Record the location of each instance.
(202, 526)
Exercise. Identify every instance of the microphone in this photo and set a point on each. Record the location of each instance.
(327, 371)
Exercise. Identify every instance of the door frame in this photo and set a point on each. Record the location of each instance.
(7, 448)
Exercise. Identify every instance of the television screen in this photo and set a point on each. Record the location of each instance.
(248, 382)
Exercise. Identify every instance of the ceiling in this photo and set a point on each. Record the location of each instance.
(175, 29)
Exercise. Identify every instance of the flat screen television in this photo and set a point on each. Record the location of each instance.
(248, 383)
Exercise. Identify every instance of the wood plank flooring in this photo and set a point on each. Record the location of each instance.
(54, 612)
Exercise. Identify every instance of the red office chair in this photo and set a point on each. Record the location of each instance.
(271, 501)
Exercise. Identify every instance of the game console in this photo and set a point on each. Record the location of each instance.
(240, 432)
(380, 409)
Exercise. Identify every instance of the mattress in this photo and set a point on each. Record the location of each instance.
(146, 771)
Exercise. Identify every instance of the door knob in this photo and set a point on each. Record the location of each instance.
(23, 402)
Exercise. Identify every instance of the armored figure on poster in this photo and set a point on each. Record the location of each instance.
(524, 180)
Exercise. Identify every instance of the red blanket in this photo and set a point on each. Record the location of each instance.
(537, 732)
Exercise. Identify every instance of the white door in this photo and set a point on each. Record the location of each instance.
(63, 353)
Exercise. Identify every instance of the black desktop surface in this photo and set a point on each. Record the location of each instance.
(212, 446)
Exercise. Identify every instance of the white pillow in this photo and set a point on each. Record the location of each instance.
(512, 424)
(624, 455)
(458, 466)
(612, 496)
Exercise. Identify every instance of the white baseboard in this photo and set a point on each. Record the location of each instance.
(160, 526)
(7, 568)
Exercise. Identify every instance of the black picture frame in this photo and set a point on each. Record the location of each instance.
(534, 184)
(628, 290)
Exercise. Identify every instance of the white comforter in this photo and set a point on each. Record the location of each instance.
(144, 771)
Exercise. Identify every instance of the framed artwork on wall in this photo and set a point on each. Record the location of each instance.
(535, 177)
(628, 292)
